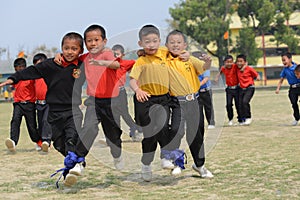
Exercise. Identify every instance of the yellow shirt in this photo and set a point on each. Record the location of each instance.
(151, 72)
(184, 75)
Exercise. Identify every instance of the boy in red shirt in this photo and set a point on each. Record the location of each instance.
(246, 76)
(232, 90)
(42, 107)
(24, 105)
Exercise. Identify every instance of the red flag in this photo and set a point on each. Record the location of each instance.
(226, 35)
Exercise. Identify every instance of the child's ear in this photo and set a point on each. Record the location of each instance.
(140, 43)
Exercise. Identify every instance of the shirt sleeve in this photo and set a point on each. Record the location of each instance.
(198, 64)
(136, 70)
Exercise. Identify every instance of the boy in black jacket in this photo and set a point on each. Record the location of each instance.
(64, 84)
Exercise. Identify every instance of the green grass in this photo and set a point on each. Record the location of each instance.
(260, 161)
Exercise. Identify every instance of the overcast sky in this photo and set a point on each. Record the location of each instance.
(26, 24)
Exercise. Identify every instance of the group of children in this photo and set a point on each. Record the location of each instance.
(162, 83)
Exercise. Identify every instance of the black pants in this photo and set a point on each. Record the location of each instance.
(121, 109)
(28, 111)
(189, 113)
(205, 100)
(153, 115)
(99, 110)
(293, 96)
(65, 127)
(232, 94)
(245, 96)
(44, 127)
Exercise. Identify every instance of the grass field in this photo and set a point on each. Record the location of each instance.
(260, 161)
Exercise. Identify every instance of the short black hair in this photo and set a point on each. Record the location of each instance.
(74, 36)
(95, 27)
(287, 54)
(20, 62)
(39, 56)
(244, 57)
(148, 29)
(227, 57)
(176, 32)
(118, 47)
(297, 69)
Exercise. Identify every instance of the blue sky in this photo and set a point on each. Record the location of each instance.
(31, 23)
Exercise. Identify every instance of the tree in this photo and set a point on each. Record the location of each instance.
(205, 21)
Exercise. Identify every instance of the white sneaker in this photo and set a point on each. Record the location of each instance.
(146, 172)
(10, 144)
(230, 123)
(294, 123)
(242, 123)
(248, 121)
(77, 169)
(204, 173)
(45, 146)
(167, 164)
(176, 171)
(119, 163)
(211, 127)
(70, 180)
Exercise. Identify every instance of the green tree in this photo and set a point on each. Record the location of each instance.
(205, 21)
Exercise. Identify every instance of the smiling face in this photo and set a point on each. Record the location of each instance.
(94, 41)
(71, 49)
(150, 43)
(228, 63)
(287, 62)
(240, 62)
(176, 44)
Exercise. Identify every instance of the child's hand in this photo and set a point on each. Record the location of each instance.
(205, 58)
(184, 56)
(277, 91)
(95, 62)
(141, 95)
(140, 52)
(7, 82)
(58, 59)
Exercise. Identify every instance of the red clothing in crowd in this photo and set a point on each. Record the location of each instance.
(24, 91)
(40, 89)
(247, 76)
(230, 75)
(125, 66)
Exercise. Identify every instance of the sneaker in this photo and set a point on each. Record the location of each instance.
(167, 164)
(38, 145)
(248, 121)
(10, 144)
(146, 172)
(70, 180)
(294, 123)
(176, 171)
(242, 124)
(137, 137)
(211, 127)
(45, 146)
(77, 169)
(230, 123)
(204, 173)
(119, 163)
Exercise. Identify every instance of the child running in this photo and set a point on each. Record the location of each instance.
(64, 84)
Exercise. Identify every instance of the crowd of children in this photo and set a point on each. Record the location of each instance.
(171, 90)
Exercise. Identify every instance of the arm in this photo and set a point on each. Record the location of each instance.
(141, 95)
(112, 64)
(7, 82)
(279, 85)
(205, 79)
(218, 76)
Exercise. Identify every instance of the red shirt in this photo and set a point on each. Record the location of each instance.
(24, 91)
(230, 75)
(40, 89)
(101, 81)
(246, 77)
(125, 66)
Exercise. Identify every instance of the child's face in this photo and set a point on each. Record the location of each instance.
(71, 49)
(240, 62)
(19, 68)
(286, 61)
(118, 53)
(150, 43)
(94, 42)
(228, 63)
(297, 74)
(176, 44)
